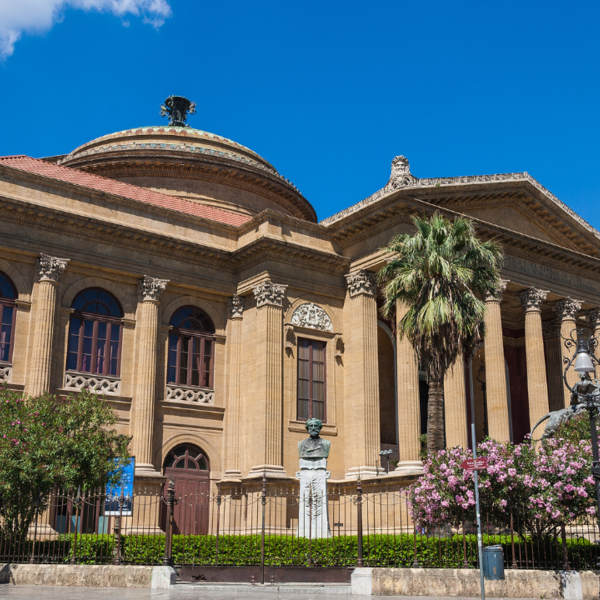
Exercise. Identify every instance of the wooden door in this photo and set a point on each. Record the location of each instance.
(188, 467)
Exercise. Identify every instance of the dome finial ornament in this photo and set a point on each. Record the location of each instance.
(177, 109)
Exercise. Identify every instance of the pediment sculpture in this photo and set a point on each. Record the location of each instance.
(312, 316)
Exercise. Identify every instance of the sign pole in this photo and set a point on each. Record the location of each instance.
(479, 540)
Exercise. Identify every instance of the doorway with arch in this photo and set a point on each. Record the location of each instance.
(188, 466)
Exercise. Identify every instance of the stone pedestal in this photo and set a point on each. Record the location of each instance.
(312, 513)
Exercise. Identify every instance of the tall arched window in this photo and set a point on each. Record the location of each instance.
(191, 348)
(8, 312)
(95, 333)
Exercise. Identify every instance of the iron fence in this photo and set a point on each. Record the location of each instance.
(266, 526)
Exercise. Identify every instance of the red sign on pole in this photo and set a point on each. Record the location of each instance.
(475, 464)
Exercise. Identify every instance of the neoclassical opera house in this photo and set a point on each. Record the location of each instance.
(177, 273)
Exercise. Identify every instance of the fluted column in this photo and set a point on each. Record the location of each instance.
(566, 312)
(495, 370)
(50, 270)
(537, 387)
(362, 399)
(554, 366)
(269, 376)
(231, 437)
(145, 390)
(409, 400)
(455, 405)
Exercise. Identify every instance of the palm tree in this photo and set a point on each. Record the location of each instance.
(441, 273)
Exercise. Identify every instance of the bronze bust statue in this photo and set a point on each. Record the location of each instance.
(314, 447)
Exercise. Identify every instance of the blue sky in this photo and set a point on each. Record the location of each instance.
(329, 92)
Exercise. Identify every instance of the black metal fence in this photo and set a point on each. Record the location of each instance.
(255, 530)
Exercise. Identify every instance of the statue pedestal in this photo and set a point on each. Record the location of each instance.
(312, 511)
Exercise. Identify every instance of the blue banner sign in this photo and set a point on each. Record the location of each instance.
(121, 492)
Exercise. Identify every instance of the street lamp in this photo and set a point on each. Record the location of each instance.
(586, 391)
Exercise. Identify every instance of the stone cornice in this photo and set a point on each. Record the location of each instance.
(206, 168)
(482, 181)
(400, 208)
(111, 233)
(265, 248)
(18, 177)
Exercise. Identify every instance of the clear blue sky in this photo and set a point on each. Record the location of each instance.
(329, 92)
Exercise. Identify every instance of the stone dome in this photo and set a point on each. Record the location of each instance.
(194, 164)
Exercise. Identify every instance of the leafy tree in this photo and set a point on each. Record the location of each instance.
(48, 442)
(441, 273)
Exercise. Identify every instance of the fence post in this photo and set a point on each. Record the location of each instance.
(77, 502)
(37, 511)
(263, 501)
(359, 532)
(118, 519)
(168, 558)
(512, 541)
(218, 518)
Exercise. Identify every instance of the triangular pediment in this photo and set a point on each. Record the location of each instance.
(516, 220)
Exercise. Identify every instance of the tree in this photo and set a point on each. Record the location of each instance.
(48, 442)
(441, 273)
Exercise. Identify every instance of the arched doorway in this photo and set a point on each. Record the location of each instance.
(188, 466)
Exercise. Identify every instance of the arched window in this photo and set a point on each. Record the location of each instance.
(8, 295)
(95, 333)
(191, 348)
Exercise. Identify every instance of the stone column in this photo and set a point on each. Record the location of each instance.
(495, 370)
(554, 366)
(362, 399)
(269, 376)
(231, 437)
(50, 270)
(409, 401)
(455, 405)
(537, 387)
(145, 390)
(566, 312)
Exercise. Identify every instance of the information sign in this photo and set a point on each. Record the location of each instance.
(475, 464)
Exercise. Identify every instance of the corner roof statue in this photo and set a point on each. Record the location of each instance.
(314, 447)
(177, 109)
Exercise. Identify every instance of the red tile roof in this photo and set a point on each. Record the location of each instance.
(118, 188)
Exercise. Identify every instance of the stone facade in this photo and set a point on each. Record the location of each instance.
(172, 226)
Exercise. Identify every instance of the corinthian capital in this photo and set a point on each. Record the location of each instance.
(236, 307)
(593, 317)
(151, 288)
(498, 295)
(269, 293)
(566, 309)
(361, 282)
(532, 299)
(51, 268)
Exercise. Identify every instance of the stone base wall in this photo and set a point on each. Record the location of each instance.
(465, 583)
(88, 575)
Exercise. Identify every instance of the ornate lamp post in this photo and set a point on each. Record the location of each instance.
(586, 391)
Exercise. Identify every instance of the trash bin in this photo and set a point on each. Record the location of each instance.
(493, 562)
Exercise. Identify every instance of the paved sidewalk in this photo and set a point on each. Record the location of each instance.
(184, 592)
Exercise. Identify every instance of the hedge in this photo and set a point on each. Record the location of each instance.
(378, 550)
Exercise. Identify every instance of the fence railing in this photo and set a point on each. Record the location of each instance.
(270, 526)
